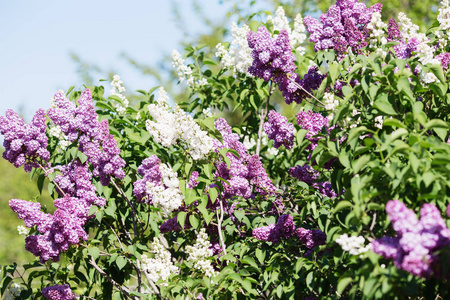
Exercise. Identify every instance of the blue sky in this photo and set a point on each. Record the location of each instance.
(37, 37)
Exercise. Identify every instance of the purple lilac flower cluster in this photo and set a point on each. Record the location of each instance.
(245, 172)
(304, 173)
(417, 241)
(313, 123)
(273, 60)
(59, 292)
(325, 189)
(311, 238)
(343, 26)
(279, 130)
(57, 232)
(94, 140)
(444, 58)
(75, 180)
(285, 229)
(25, 144)
(149, 170)
(193, 182)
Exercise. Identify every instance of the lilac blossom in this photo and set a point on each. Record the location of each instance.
(415, 247)
(313, 123)
(311, 238)
(149, 170)
(59, 292)
(343, 26)
(304, 173)
(94, 140)
(193, 182)
(284, 228)
(444, 58)
(325, 189)
(25, 144)
(279, 130)
(245, 172)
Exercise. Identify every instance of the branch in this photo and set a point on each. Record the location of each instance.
(46, 172)
(307, 92)
(123, 290)
(219, 227)
(262, 117)
(129, 203)
(150, 281)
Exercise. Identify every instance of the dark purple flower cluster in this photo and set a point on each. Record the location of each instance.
(170, 225)
(313, 123)
(25, 144)
(304, 173)
(279, 130)
(245, 172)
(394, 34)
(59, 292)
(273, 60)
(311, 238)
(284, 228)
(444, 58)
(94, 140)
(405, 50)
(417, 241)
(325, 189)
(149, 170)
(343, 26)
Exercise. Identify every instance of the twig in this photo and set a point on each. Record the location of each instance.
(130, 204)
(54, 182)
(262, 117)
(219, 227)
(123, 290)
(306, 91)
(150, 281)
(373, 221)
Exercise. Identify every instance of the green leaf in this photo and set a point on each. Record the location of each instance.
(249, 261)
(94, 252)
(194, 221)
(342, 205)
(383, 105)
(393, 123)
(334, 71)
(342, 284)
(181, 218)
(121, 262)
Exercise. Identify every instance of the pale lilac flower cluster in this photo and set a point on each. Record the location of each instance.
(343, 26)
(415, 247)
(313, 123)
(279, 130)
(353, 244)
(304, 173)
(25, 144)
(200, 253)
(57, 231)
(75, 180)
(59, 292)
(149, 170)
(94, 140)
(245, 171)
(311, 238)
(161, 266)
(14, 290)
(117, 90)
(193, 182)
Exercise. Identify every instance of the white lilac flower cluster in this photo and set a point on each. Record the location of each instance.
(425, 53)
(238, 57)
(160, 267)
(353, 244)
(379, 122)
(117, 90)
(170, 126)
(297, 36)
(185, 72)
(12, 292)
(22, 230)
(377, 27)
(348, 122)
(167, 196)
(199, 254)
(444, 15)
